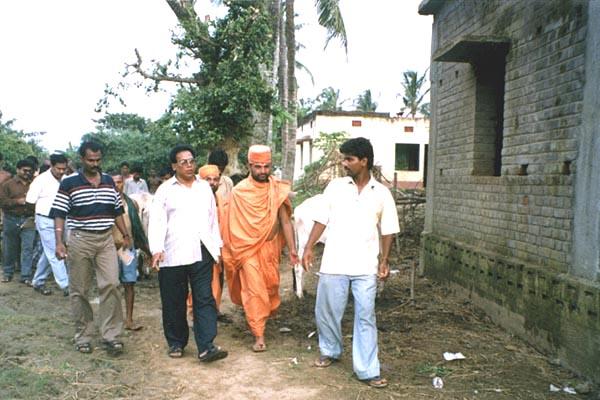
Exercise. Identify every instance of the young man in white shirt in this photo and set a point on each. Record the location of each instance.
(355, 209)
(135, 184)
(185, 242)
(42, 192)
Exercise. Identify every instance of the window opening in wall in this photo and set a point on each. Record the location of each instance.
(409, 129)
(407, 157)
(489, 116)
(487, 57)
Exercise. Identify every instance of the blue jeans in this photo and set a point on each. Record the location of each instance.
(332, 297)
(48, 260)
(17, 243)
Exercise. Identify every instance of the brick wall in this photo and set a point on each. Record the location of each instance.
(508, 240)
(528, 217)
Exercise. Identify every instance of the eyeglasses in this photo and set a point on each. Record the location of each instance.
(189, 161)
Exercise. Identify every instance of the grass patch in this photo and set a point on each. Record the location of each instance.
(433, 370)
(17, 382)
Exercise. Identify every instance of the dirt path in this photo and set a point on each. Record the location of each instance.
(37, 360)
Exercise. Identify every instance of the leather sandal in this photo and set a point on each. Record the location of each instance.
(113, 347)
(175, 352)
(376, 382)
(214, 354)
(324, 361)
(42, 290)
(84, 348)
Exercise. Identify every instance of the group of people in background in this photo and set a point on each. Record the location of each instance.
(203, 232)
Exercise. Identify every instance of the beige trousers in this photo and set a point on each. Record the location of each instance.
(87, 252)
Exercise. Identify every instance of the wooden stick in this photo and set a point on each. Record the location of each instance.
(413, 267)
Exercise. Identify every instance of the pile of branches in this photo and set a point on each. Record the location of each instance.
(319, 173)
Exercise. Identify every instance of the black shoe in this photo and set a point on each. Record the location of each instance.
(113, 347)
(175, 351)
(42, 290)
(214, 354)
(27, 282)
(66, 292)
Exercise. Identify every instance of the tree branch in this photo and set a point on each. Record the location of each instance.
(183, 9)
(161, 77)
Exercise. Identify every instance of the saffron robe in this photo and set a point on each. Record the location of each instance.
(252, 243)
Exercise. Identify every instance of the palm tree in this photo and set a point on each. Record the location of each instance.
(329, 100)
(330, 17)
(412, 97)
(364, 102)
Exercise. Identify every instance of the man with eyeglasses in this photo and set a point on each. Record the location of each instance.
(19, 226)
(185, 242)
(256, 225)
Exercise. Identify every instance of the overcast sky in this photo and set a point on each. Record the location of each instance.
(58, 55)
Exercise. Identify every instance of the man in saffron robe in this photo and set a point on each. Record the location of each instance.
(256, 225)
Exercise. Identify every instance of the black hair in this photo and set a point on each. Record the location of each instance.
(44, 168)
(92, 146)
(218, 157)
(33, 160)
(58, 159)
(178, 149)
(124, 164)
(359, 147)
(26, 162)
(166, 170)
(137, 168)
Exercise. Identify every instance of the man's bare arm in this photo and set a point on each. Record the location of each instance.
(386, 245)
(59, 226)
(315, 233)
(288, 233)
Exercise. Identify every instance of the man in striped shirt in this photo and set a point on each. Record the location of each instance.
(91, 202)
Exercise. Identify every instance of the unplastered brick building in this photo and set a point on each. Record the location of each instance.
(513, 196)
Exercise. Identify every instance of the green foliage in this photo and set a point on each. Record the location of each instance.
(122, 121)
(131, 138)
(413, 93)
(364, 102)
(433, 370)
(330, 17)
(230, 85)
(329, 100)
(304, 108)
(16, 145)
(317, 174)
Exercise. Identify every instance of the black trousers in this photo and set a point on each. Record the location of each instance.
(173, 283)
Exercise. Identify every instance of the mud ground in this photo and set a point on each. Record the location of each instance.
(38, 361)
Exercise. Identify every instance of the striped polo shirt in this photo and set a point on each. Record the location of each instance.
(89, 208)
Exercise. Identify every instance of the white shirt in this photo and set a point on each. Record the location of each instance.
(134, 187)
(181, 219)
(42, 191)
(353, 224)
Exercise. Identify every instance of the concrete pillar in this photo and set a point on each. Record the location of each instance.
(586, 208)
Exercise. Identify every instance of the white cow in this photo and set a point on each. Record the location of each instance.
(304, 215)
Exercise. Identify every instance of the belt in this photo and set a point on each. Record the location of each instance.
(42, 215)
(94, 232)
(13, 215)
